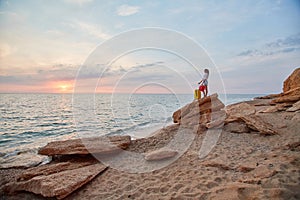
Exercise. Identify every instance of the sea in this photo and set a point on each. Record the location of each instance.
(30, 121)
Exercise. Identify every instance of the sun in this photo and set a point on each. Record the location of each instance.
(62, 87)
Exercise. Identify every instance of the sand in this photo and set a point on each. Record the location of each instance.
(240, 166)
(217, 176)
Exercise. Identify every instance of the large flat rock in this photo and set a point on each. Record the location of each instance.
(59, 184)
(240, 109)
(98, 145)
(257, 123)
(44, 170)
(286, 99)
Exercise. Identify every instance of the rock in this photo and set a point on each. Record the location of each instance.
(219, 163)
(292, 82)
(213, 119)
(203, 113)
(51, 169)
(286, 99)
(256, 123)
(176, 116)
(206, 104)
(281, 107)
(98, 145)
(204, 118)
(244, 112)
(215, 124)
(60, 184)
(259, 102)
(246, 167)
(269, 109)
(295, 107)
(160, 154)
(212, 106)
(237, 127)
(240, 109)
(293, 92)
(270, 96)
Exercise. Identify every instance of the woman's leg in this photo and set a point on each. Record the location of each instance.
(206, 91)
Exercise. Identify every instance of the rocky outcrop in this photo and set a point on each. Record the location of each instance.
(236, 111)
(244, 113)
(73, 166)
(206, 113)
(84, 146)
(292, 83)
(59, 184)
(286, 99)
(289, 99)
(160, 154)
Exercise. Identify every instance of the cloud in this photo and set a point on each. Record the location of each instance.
(91, 29)
(280, 46)
(293, 40)
(59, 72)
(118, 70)
(126, 10)
(5, 50)
(78, 2)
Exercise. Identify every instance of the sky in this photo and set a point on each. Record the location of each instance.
(48, 46)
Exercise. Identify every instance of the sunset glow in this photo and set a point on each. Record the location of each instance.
(63, 87)
(251, 42)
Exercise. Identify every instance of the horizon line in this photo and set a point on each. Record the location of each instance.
(122, 93)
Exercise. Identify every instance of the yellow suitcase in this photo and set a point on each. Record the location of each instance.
(197, 94)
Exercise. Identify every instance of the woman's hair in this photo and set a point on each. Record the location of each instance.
(206, 71)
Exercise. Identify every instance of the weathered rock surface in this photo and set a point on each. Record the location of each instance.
(270, 96)
(160, 154)
(51, 169)
(239, 110)
(286, 99)
(292, 82)
(60, 184)
(256, 123)
(269, 109)
(237, 127)
(205, 112)
(295, 107)
(245, 113)
(98, 145)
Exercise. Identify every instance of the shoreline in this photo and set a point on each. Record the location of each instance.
(256, 155)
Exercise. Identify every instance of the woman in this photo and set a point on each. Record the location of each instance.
(204, 83)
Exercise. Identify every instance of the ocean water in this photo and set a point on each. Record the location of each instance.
(30, 121)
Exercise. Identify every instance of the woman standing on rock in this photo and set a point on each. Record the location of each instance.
(204, 83)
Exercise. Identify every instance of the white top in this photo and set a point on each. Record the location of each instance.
(205, 76)
(204, 79)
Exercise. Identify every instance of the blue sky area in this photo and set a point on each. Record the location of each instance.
(255, 44)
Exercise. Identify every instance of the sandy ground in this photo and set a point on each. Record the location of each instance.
(218, 176)
(190, 178)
